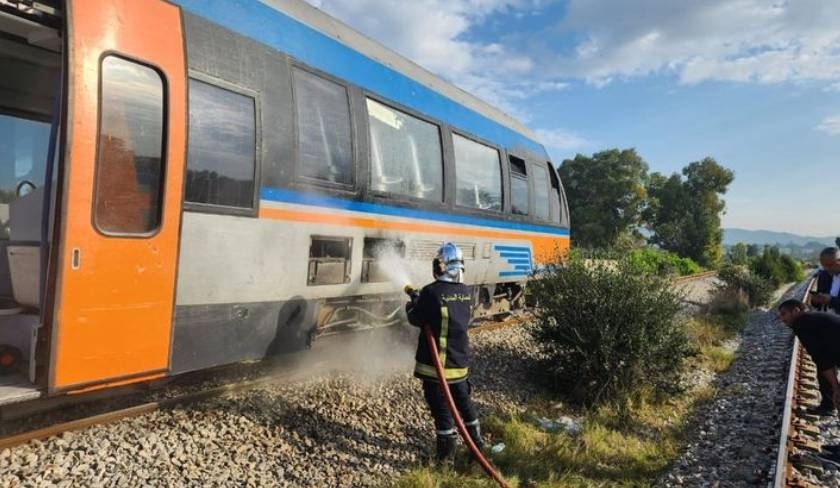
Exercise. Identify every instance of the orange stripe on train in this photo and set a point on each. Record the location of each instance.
(545, 248)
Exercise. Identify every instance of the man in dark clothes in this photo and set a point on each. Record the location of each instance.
(825, 299)
(819, 333)
(444, 306)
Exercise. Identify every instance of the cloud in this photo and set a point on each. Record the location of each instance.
(722, 40)
(437, 35)
(561, 139)
(432, 32)
(830, 125)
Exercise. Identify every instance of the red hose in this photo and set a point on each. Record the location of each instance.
(462, 429)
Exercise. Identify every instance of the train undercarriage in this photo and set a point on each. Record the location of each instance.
(342, 314)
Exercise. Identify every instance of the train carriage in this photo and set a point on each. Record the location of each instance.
(193, 183)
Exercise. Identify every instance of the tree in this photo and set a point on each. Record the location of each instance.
(837, 241)
(607, 192)
(738, 254)
(684, 211)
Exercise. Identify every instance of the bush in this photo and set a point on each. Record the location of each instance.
(740, 279)
(730, 307)
(609, 332)
(654, 261)
(777, 268)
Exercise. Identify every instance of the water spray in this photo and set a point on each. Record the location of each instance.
(450, 402)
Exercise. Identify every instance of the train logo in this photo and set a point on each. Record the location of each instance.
(518, 257)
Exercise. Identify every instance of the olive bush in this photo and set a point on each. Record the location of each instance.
(609, 332)
(757, 289)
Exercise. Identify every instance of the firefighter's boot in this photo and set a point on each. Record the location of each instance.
(445, 447)
(474, 430)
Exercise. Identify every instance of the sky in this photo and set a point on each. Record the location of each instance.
(754, 84)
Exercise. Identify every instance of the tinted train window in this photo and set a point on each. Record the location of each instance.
(541, 208)
(405, 154)
(221, 148)
(518, 187)
(128, 197)
(556, 198)
(324, 141)
(478, 176)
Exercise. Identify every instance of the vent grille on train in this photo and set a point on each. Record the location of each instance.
(426, 249)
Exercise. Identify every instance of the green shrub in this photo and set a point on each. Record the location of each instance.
(776, 267)
(608, 331)
(792, 268)
(740, 279)
(730, 307)
(655, 261)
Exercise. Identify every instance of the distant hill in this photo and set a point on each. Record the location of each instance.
(761, 237)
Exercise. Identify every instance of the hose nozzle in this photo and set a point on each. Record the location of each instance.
(413, 293)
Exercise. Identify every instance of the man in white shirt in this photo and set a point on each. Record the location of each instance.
(827, 296)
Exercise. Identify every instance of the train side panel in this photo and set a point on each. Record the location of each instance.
(245, 287)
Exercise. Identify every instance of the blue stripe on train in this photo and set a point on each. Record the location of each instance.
(266, 25)
(321, 201)
(517, 256)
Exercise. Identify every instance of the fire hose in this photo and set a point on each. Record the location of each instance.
(450, 403)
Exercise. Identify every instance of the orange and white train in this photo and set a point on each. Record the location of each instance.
(191, 183)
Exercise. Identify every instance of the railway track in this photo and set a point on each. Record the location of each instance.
(278, 372)
(796, 461)
(273, 371)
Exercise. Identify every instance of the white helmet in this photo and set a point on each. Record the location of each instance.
(448, 264)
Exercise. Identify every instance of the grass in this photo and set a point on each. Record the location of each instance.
(708, 335)
(626, 447)
(612, 449)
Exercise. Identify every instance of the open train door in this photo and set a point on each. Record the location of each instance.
(122, 193)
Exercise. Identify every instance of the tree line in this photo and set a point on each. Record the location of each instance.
(615, 203)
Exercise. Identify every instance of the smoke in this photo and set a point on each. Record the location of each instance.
(371, 352)
(393, 265)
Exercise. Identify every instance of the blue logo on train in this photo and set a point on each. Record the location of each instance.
(518, 257)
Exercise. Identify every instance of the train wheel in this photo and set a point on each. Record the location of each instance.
(10, 358)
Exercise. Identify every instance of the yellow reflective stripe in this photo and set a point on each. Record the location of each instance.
(448, 373)
(444, 333)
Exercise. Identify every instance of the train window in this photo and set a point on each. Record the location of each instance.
(406, 156)
(329, 260)
(130, 167)
(556, 198)
(478, 177)
(324, 140)
(380, 254)
(518, 186)
(23, 153)
(221, 147)
(541, 206)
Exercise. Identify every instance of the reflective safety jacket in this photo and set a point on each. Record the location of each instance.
(445, 308)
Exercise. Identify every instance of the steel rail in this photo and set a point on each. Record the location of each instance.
(129, 412)
(782, 468)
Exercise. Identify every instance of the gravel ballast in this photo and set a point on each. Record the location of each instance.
(359, 421)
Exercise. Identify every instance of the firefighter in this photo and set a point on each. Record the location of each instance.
(444, 306)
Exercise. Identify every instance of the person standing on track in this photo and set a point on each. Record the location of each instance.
(819, 333)
(445, 307)
(827, 297)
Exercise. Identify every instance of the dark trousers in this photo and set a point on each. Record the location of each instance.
(437, 404)
(826, 392)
